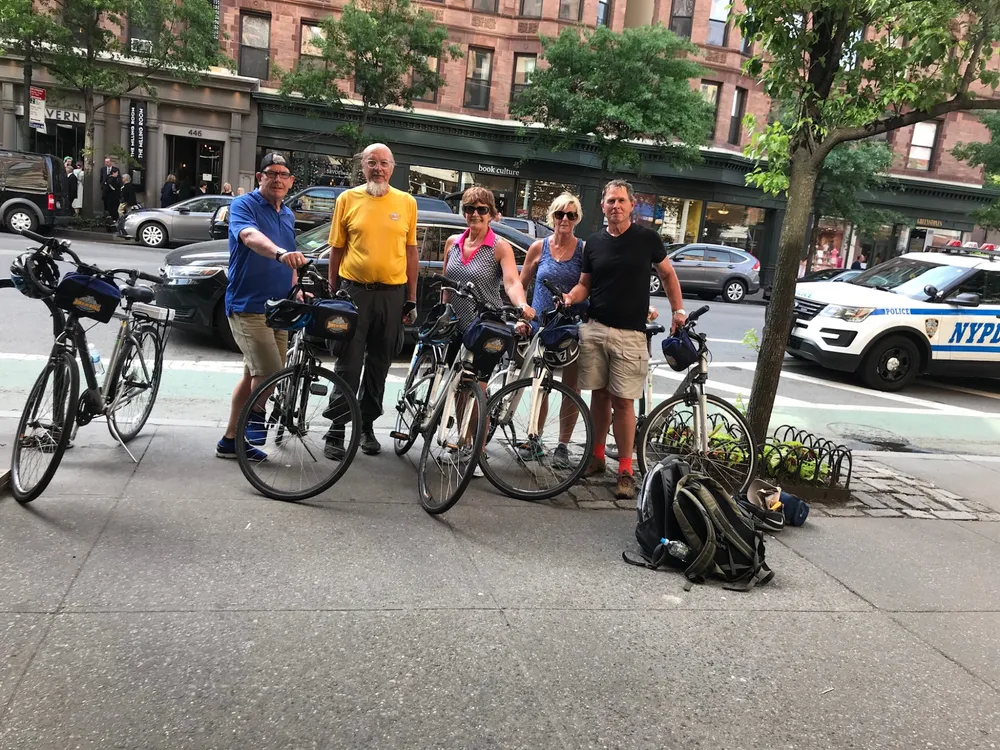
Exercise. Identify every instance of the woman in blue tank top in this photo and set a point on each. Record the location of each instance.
(557, 259)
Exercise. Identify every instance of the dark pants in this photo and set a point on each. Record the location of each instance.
(380, 321)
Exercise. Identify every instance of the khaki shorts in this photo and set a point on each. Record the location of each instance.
(263, 348)
(613, 359)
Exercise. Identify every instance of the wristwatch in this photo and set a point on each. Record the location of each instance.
(278, 255)
(680, 310)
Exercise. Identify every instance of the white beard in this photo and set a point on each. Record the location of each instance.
(377, 189)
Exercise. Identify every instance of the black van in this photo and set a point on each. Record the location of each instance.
(33, 191)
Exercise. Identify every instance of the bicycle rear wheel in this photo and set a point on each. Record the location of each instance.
(299, 420)
(452, 451)
(45, 428)
(670, 429)
(412, 403)
(539, 464)
(135, 383)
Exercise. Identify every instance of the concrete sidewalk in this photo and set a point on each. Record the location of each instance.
(168, 606)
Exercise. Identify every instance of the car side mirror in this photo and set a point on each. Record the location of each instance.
(183, 210)
(931, 291)
(966, 299)
(295, 205)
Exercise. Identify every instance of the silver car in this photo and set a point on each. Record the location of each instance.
(711, 270)
(187, 221)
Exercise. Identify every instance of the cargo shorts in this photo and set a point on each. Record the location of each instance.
(264, 349)
(614, 359)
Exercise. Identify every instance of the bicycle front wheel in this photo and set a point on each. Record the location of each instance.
(135, 383)
(536, 462)
(452, 446)
(729, 454)
(45, 428)
(307, 407)
(412, 403)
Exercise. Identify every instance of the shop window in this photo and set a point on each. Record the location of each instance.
(535, 196)
(644, 210)
(524, 66)
(718, 23)
(711, 90)
(311, 42)
(531, 8)
(677, 219)
(738, 226)
(255, 46)
(429, 95)
(604, 12)
(922, 146)
(485, 6)
(477, 78)
(681, 15)
(569, 10)
(433, 181)
(736, 120)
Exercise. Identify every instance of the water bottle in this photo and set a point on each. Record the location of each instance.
(676, 549)
(95, 359)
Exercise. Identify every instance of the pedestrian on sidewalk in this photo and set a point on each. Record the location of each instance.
(78, 197)
(111, 193)
(613, 356)
(130, 200)
(262, 263)
(373, 256)
(169, 192)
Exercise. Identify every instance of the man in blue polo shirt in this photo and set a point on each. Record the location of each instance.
(262, 263)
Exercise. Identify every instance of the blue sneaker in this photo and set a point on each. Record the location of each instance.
(226, 448)
(256, 431)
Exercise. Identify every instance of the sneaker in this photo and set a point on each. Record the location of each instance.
(626, 487)
(596, 467)
(256, 431)
(531, 450)
(334, 448)
(370, 446)
(226, 448)
(560, 457)
(763, 503)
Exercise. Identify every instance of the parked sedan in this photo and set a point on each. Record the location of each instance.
(711, 270)
(187, 221)
(826, 274)
(197, 274)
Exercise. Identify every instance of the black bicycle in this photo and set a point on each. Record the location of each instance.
(55, 406)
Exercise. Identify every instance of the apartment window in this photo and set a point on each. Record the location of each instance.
(524, 66)
(680, 17)
(922, 146)
(569, 10)
(477, 78)
(485, 6)
(604, 12)
(746, 46)
(718, 23)
(710, 90)
(255, 46)
(736, 120)
(140, 41)
(311, 40)
(531, 8)
(430, 95)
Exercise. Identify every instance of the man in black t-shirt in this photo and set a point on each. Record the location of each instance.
(613, 355)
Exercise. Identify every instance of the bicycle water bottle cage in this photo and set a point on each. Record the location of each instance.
(679, 351)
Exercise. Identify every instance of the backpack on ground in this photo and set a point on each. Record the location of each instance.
(676, 505)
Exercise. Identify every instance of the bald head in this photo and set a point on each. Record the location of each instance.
(377, 165)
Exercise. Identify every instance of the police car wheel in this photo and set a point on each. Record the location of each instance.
(891, 365)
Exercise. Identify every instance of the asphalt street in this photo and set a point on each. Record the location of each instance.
(933, 415)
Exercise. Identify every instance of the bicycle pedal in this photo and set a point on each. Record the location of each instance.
(396, 435)
(318, 389)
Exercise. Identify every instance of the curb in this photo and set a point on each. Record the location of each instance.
(81, 234)
(4, 481)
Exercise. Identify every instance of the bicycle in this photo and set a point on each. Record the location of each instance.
(515, 459)
(444, 402)
(308, 402)
(125, 398)
(702, 428)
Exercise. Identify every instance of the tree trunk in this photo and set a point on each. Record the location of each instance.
(91, 198)
(26, 99)
(779, 317)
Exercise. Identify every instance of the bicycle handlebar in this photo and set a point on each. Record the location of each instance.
(469, 291)
(697, 314)
(57, 248)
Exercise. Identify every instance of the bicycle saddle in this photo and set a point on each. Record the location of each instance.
(138, 293)
(654, 328)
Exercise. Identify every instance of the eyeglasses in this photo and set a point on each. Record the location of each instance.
(372, 163)
(481, 210)
(278, 175)
(571, 215)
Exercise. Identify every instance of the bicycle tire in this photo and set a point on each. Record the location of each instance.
(434, 506)
(70, 396)
(412, 428)
(296, 377)
(495, 404)
(744, 464)
(142, 334)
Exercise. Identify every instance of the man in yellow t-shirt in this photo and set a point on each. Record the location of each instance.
(373, 255)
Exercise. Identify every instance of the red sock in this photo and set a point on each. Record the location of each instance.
(599, 452)
(625, 465)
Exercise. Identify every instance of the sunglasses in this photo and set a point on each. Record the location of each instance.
(571, 215)
(481, 210)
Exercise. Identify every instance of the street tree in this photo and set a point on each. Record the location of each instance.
(389, 50)
(108, 49)
(616, 91)
(26, 31)
(851, 69)
(987, 156)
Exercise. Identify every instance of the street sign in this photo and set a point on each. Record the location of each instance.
(36, 113)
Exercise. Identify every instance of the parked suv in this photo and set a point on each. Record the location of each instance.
(33, 192)
(711, 270)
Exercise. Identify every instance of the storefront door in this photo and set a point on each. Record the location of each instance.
(193, 161)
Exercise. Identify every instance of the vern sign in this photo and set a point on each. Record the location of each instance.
(59, 115)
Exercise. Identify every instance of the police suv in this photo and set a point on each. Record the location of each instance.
(932, 312)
